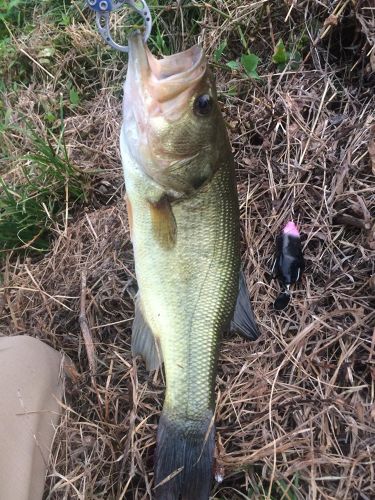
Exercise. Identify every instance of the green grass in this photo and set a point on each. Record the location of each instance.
(38, 200)
(44, 185)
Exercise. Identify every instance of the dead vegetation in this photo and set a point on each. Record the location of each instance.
(295, 409)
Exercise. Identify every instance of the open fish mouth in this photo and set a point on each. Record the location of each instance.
(171, 78)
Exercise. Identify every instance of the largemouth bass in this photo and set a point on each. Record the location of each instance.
(184, 222)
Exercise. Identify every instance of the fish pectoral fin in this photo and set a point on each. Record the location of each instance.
(130, 215)
(164, 225)
(144, 341)
(243, 321)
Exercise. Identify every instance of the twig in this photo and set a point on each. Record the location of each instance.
(349, 220)
(87, 337)
(26, 53)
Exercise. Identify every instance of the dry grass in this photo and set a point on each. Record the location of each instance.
(295, 409)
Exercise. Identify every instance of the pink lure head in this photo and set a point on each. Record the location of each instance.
(291, 229)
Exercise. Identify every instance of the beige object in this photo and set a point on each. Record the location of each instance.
(30, 388)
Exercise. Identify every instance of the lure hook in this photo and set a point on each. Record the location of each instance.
(103, 9)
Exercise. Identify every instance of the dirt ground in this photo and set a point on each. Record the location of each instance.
(295, 410)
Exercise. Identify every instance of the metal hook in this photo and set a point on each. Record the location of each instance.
(103, 9)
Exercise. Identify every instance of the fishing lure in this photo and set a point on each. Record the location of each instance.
(289, 263)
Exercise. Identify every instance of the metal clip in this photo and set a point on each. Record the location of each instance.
(103, 9)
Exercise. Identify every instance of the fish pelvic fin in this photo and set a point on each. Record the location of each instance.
(163, 223)
(184, 458)
(144, 341)
(244, 322)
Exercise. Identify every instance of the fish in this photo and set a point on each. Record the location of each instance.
(289, 262)
(183, 214)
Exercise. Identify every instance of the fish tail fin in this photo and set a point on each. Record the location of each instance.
(184, 458)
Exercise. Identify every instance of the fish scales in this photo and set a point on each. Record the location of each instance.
(188, 292)
(184, 223)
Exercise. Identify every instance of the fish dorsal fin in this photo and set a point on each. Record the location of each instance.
(143, 340)
(243, 321)
(163, 223)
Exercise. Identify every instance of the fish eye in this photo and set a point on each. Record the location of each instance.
(203, 105)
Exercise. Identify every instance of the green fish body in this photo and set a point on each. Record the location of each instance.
(184, 218)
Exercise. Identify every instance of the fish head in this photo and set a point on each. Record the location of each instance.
(172, 122)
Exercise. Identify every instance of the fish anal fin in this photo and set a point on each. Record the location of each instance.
(163, 223)
(144, 341)
(243, 321)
